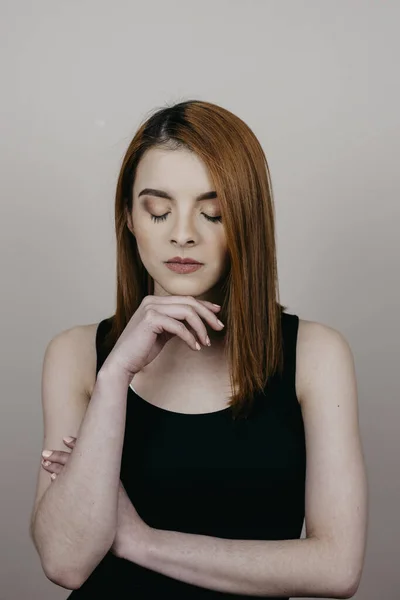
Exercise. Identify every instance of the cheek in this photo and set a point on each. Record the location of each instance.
(217, 252)
(148, 250)
(145, 239)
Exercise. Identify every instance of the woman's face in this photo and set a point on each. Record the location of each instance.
(184, 229)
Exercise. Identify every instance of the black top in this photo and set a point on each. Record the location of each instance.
(210, 475)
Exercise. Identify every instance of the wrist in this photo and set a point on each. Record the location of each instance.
(111, 371)
(138, 547)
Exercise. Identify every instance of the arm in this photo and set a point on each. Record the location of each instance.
(328, 562)
(74, 524)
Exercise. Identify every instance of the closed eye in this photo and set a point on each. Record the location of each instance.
(163, 217)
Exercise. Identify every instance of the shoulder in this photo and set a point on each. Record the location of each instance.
(78, 344)
(319, 347)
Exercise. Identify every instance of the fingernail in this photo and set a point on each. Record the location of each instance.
(219, 323)
(68, 439)
(53, 475)
(217, 305)
(47, 453)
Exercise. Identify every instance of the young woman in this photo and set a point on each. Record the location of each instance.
(192, 424)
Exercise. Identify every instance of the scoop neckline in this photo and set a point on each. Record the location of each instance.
(173, 412)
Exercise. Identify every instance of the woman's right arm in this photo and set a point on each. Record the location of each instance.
(74, 521)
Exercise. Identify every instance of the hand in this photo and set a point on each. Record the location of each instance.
(132, 532)
(157, 320)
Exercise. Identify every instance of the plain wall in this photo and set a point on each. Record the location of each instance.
(318, 83)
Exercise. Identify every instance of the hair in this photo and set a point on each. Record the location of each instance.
(238, 166)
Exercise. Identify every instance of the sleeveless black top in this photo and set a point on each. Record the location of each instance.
(207, 474)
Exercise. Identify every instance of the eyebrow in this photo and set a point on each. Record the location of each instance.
(161, 194)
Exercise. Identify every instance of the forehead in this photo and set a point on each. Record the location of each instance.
(173, 170)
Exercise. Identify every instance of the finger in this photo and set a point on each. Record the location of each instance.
(53, 468)
(57, 456)
(188, 313)
(160, 322)
(184, 312)
(202, 307)
(68, 443)
(179, 300)
(204, 311)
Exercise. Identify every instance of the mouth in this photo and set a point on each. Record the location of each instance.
(183, 261)
(183, 267)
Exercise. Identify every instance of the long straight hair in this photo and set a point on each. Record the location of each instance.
(238, 166)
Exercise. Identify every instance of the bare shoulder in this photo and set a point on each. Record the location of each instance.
(85, 339)
(317, 343)
(80, 344)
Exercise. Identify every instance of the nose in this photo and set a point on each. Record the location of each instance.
(183, 232)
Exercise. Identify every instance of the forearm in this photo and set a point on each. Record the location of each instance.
(75, 523)
(297, 568)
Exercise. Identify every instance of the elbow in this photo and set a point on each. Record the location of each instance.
(352, 575)
(349, 590)
(63, 571)
(340, 589)
(69, 581)
(343, 580)
(72, 578)
(350, 581)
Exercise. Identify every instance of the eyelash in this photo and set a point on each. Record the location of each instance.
(163, 217)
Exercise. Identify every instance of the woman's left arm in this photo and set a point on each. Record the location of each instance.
(329, 561)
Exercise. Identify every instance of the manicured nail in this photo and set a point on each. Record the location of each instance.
(198, 346)
(219, 323)
(68, 439)
(47, 453)
(217, 305)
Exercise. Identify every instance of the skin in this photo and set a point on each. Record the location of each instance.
(185, 232)
(129, 522)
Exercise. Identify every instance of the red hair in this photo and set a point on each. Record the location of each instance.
(238, 167)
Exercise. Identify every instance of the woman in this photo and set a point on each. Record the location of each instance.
(186, 473)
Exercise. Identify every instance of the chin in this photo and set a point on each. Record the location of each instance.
(183, 287)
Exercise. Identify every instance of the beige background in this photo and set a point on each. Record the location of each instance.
(318, 83)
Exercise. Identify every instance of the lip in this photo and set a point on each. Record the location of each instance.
(185, 261)
(183, 267)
